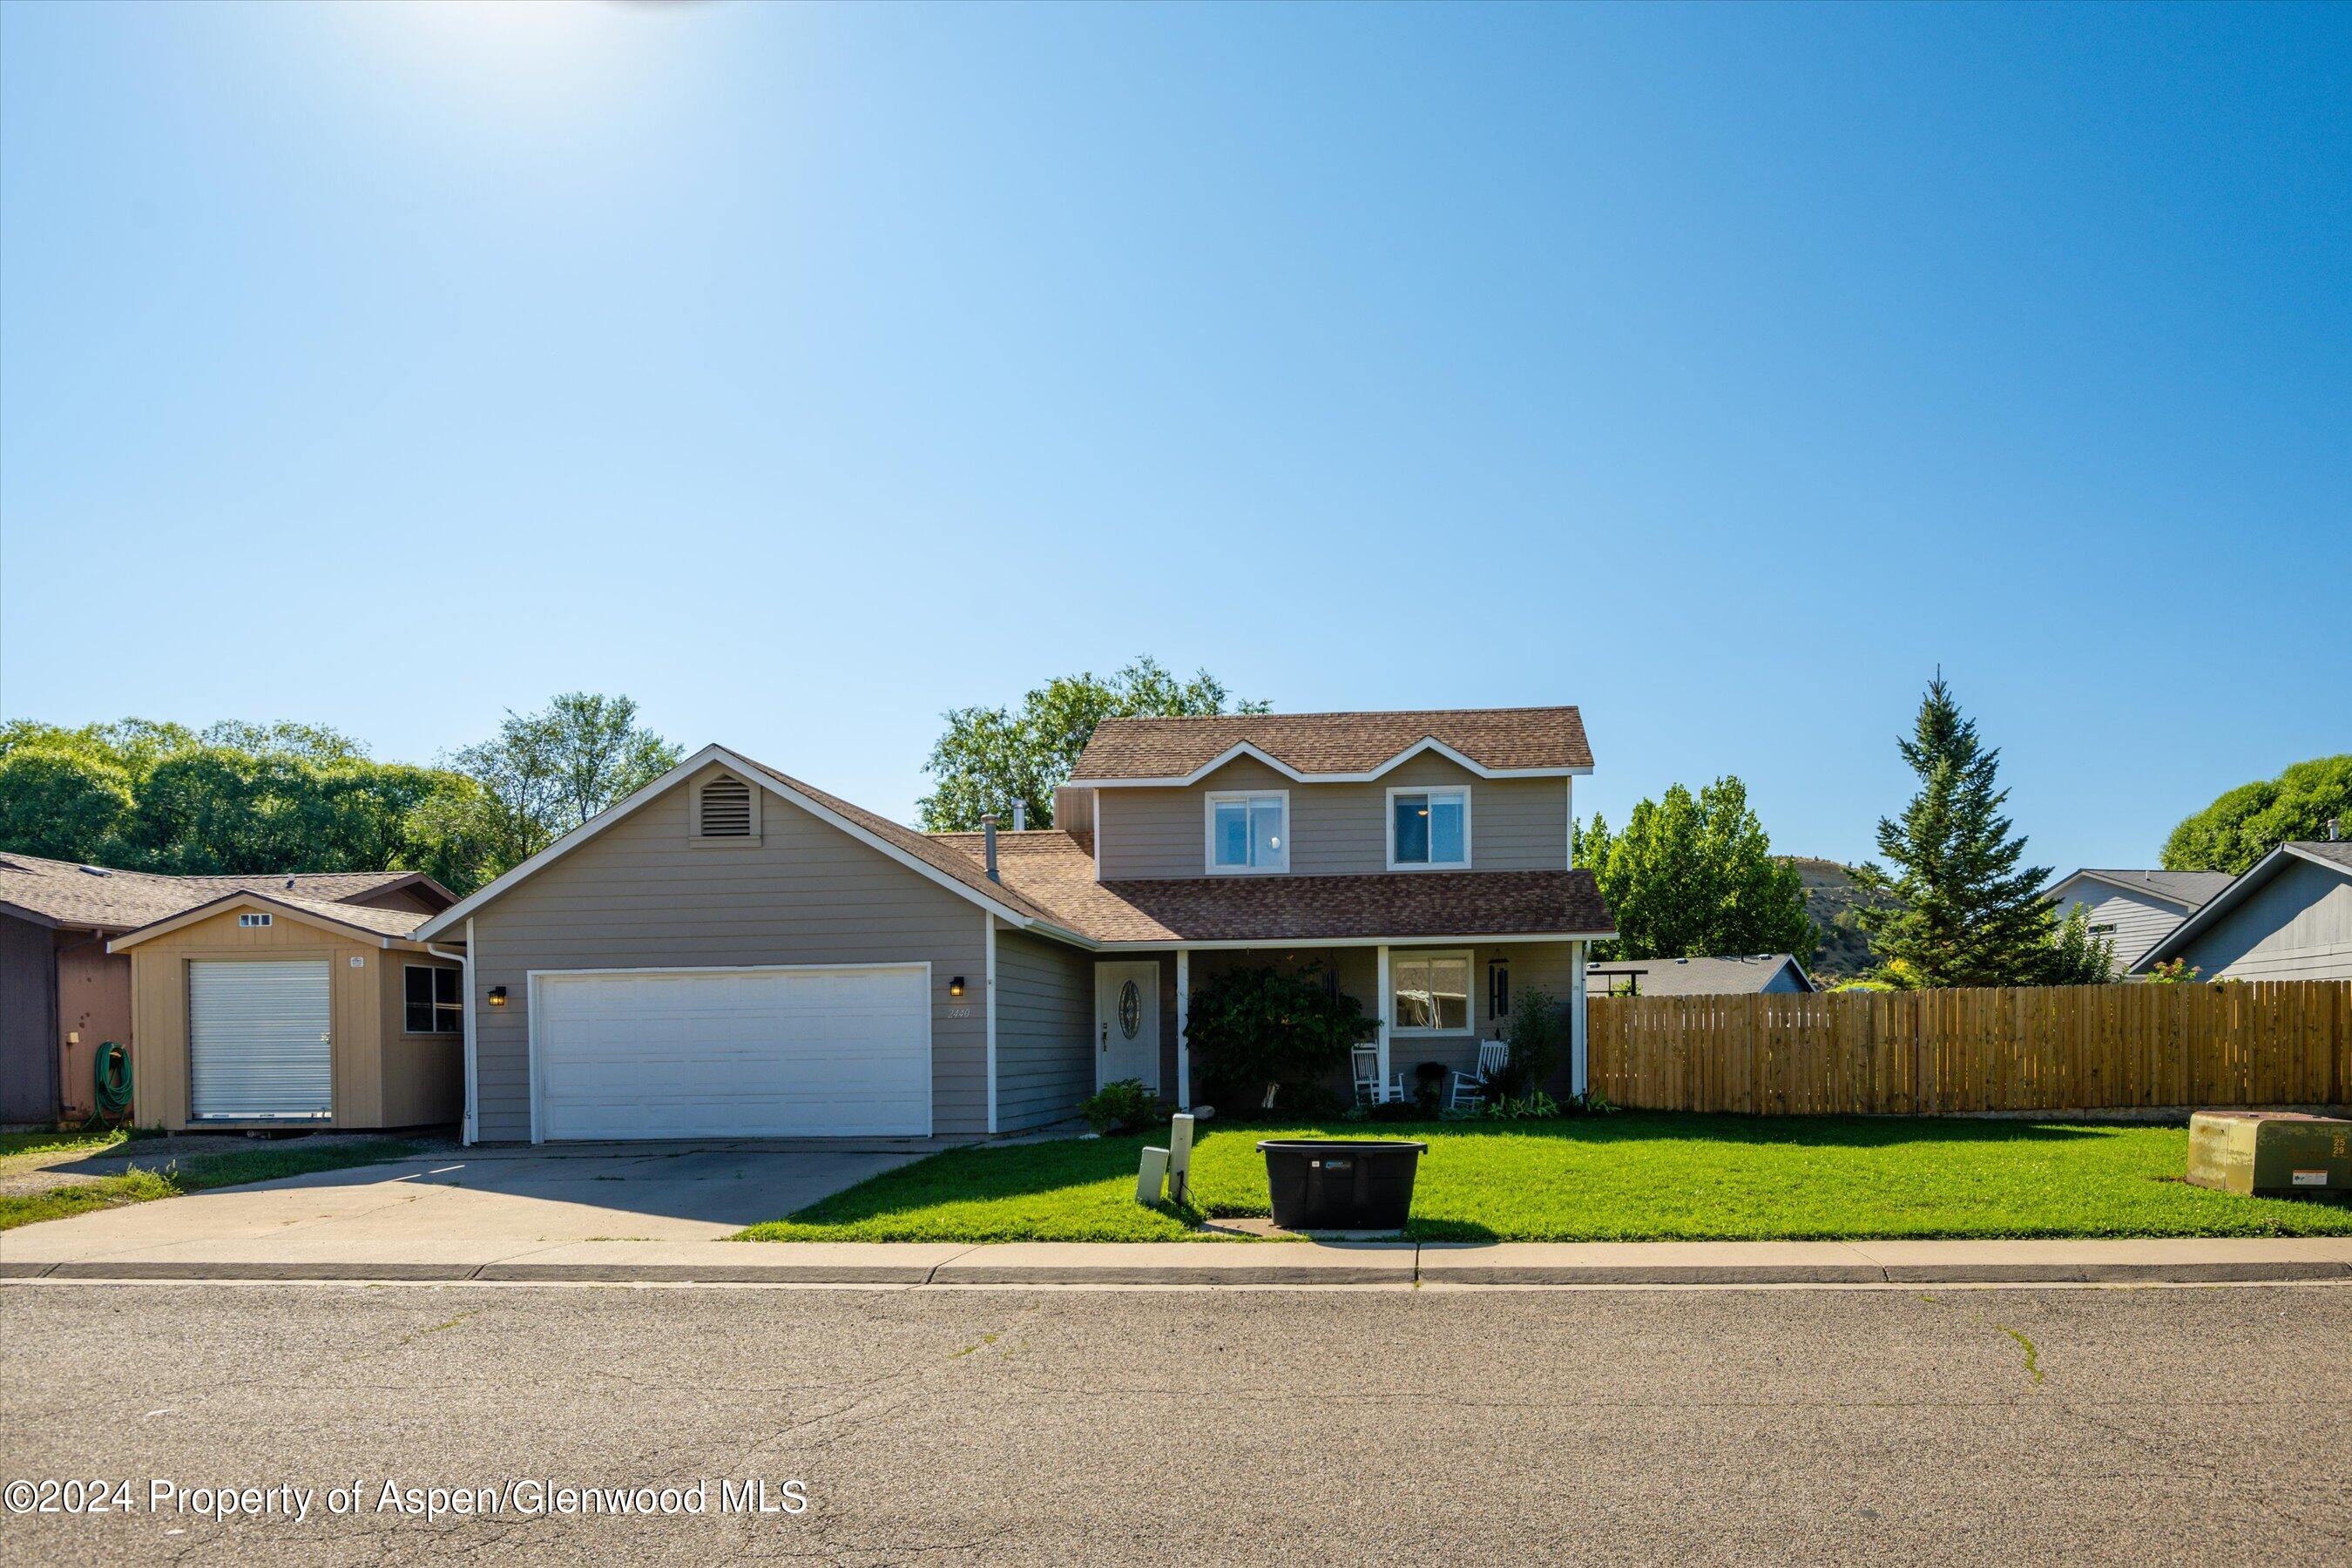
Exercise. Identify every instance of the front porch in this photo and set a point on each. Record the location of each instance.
(1434, 1002)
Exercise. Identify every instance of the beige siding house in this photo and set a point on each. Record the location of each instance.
(65, 995)
(732, 952)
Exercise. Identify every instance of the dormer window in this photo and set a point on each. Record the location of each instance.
(726, 810)
(1429, 829)
(1248, 831)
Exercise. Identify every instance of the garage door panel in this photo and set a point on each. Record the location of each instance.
(770, 1053)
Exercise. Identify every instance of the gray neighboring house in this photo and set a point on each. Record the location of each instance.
(733, 952)
(2135, 907)
(1753, 974)
(2288, 918)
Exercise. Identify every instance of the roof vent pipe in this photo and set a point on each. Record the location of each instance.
(1020, 816)
(988, 843)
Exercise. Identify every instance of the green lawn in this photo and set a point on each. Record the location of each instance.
(1617, 1178)
(169, 1177)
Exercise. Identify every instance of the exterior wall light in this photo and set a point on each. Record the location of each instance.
(498, 996)
(955, 987)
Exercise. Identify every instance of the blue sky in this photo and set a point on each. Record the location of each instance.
(805, 373)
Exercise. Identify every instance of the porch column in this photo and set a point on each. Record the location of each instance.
(1183, 1028)
(1576, 1017)
(1388, 1009)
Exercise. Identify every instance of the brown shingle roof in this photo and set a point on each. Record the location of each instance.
(103, 899)
(926, 847)
(1052, 869)
(1505, 739)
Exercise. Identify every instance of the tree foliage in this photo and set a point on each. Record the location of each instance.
(1258, 1029)
(1966, 909)
(1694, 876)
(239, 797)
(2247, 823)
(2078, 954)
(991, 757)
(543, 775)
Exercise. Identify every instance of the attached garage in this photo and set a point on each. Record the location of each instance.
(260, 1040)
(781, 1051)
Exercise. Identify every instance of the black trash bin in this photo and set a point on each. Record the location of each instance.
(1339, 1183)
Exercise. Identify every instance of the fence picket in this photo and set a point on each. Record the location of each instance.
(2088, 1047)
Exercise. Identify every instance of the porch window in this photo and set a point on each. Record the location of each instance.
(1429, 827)
(1432, 993)
(433, 1001)
(1247, 832)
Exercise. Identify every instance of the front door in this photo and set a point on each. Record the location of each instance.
(1127, 1023)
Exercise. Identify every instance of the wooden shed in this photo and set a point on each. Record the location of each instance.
(280, 1012)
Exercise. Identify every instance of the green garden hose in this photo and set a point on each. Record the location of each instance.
(111, 1070)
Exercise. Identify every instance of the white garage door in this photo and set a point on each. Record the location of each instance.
(759, 1053)
(257, 1041)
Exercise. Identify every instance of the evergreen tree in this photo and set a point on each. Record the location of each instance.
(1966, 911)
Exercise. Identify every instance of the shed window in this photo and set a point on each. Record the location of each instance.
(252, 919)
(434, 1001)
(723, 809)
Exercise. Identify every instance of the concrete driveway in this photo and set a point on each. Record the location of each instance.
(488, 1205)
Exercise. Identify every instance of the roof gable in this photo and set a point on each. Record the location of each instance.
(2331, 855)
(365, 922)
(927, 858)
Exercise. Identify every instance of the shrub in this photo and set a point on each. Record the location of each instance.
(1533, 1106)
(1263, 1029)
(1120, 1107)
(1429, 1087)
(1397, 1110)
(2172, 972)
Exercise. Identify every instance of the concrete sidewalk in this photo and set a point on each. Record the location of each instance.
(50, 1252)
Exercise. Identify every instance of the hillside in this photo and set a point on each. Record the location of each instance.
(1833, 900)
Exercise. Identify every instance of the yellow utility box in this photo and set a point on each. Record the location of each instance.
(2270, 1151)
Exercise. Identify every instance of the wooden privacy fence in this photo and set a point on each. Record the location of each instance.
(2055, 1048)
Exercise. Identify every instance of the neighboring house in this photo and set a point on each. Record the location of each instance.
(1744, 976)
(2288, 918)
(730, 952)
(63, 994)
(2135, 908)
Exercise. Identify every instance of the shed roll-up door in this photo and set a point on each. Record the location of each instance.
(257, 1040)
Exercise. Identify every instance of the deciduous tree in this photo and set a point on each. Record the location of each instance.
(990, 757)
(1692, 876)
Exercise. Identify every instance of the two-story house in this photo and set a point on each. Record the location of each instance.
(733, 952)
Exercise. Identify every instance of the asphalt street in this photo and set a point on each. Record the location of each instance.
(1203, 1425)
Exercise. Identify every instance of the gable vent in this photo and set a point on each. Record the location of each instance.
(726, 807)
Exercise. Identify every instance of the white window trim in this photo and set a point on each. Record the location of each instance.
(1209, 802)
(694, 813)
(1388, 828)
(1399, 957)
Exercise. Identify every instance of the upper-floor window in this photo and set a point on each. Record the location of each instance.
(1249, 832)
(1428, 828)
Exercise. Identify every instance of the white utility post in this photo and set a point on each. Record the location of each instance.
(1388, 1016)
(1183, 1028)
(1576, 1017)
